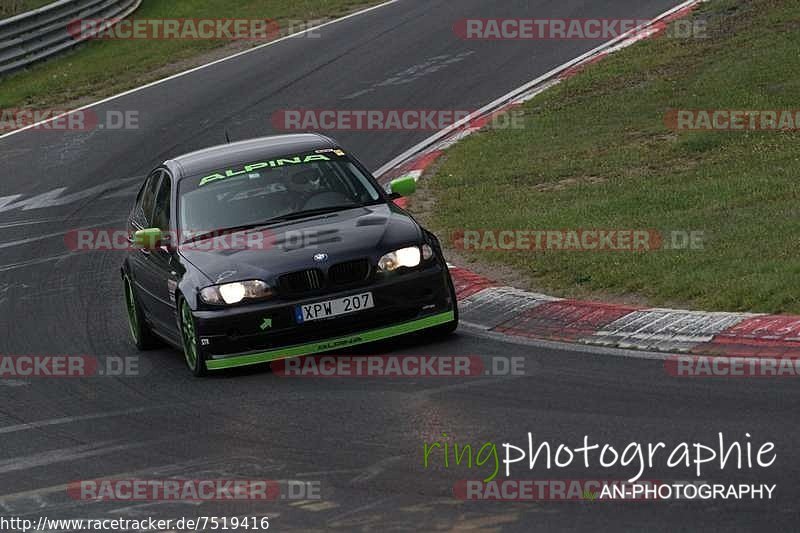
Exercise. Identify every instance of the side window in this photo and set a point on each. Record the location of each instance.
(148, 199)
(139, 218)
(162, 204)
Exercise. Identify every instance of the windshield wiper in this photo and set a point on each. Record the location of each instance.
(312, 212)
(210, 234)
(282, 218)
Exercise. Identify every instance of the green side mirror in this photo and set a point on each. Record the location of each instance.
(403, 186)
(147, 239)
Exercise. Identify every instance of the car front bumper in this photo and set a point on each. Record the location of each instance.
(258, 333)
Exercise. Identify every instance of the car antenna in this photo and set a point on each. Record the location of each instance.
(227, 137)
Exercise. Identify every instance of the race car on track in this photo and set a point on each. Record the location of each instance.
(278, 247)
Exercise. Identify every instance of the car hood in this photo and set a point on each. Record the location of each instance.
(345, 235)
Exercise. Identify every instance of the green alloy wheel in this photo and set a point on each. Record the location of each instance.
(191, 348)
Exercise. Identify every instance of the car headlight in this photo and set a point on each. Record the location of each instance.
(233, 293)
(405, 257)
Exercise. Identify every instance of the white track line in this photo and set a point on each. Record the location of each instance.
(509, 97)
(62, 455)
(71, 419)
(201, 67)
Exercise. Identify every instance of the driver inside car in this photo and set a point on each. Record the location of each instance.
(303, 185)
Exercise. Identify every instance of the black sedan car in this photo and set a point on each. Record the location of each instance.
(278, 247)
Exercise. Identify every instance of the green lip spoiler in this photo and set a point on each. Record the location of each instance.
(331, 344)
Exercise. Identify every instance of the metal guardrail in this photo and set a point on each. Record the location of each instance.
(43, 32)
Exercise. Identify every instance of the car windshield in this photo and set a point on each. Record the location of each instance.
(257, 192)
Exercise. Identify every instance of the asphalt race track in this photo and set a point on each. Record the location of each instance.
(360, 439)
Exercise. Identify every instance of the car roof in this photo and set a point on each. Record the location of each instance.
(262, 148)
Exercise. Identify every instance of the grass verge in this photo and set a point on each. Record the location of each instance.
(595, 152)
(10, 8)
(106, 67)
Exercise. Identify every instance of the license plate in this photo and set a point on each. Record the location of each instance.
(331, 308)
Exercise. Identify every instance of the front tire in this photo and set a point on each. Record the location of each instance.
(192, 353)
(143, 336)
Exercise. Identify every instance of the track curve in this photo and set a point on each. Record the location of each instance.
(361, 439)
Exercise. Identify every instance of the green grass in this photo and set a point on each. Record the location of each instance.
(10, 8)
(601, 136)
(103, 68)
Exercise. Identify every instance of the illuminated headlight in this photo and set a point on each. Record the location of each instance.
(233, 293)
(405, 257)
